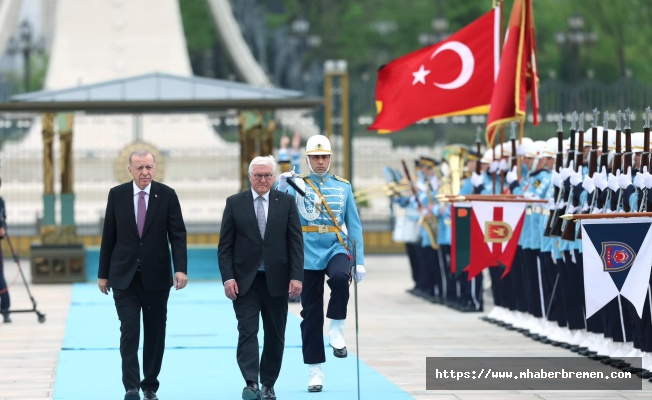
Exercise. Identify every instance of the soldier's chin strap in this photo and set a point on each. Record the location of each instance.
(313, 171)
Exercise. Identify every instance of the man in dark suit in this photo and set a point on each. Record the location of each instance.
(260, 257)
(143, 221)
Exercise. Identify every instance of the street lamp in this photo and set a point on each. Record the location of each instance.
(336, 107)
(439, 32)
(576, 36)
(25, 45)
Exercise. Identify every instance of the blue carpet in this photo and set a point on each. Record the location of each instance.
(200, 353)
(202, 263)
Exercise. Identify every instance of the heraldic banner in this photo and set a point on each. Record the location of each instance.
(495, 230)
(617, 261)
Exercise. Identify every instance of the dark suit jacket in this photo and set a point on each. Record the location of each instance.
(241, 246)
(121, 247)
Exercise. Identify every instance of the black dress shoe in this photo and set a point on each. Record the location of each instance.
(132, 394)
(340, 353)
(149, 395)
(268, 393)
(314, 388)
(645, 374)
(5, 316)
(251, 392)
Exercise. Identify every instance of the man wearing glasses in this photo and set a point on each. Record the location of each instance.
(260, 256)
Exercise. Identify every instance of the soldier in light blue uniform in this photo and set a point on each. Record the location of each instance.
(291, 156)
(330, 224)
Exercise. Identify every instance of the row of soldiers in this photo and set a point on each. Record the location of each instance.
(599, 171)
(430, 252)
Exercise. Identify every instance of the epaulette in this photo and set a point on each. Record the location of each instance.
(339, 178)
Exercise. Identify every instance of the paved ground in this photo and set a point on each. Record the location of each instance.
(396, 334)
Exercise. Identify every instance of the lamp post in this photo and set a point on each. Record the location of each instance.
(24, 44)
(439, 32)
(576, 37)
(336, 107)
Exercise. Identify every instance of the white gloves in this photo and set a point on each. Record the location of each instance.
(575, 178)
(493, 166)
(434, 184)
(625, 180)
(612, 181)
(648, 181)
(566, 172)
(520, 151)
(283, 180)
(639, 179)
(600, 179)
(502, 165)
(529, 195)
(360, 272)
(588, 184)
(511, 176)
(476, 179)
(556, 179)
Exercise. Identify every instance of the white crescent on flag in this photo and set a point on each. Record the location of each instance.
(468, 64)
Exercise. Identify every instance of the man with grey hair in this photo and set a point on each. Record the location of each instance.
(143, 222)
(260, 257)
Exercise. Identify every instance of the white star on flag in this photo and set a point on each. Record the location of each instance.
(420, 75)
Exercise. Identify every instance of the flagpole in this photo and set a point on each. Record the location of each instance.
(606, 215)
(519, 158)
(502, 140)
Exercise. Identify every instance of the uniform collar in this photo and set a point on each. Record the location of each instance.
(317, 178)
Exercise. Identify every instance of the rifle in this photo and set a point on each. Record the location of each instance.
(593, 155)
(627, 159)
(604, 160)
(559, 163)
(557, 223)
(568, 227)
(427, 222)
(645, 160)
(612, 202)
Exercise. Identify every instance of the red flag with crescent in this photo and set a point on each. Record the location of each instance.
(453, 77)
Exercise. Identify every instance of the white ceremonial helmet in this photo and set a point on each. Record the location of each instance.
(637, 142)
(551, 148)
(541, 146)
(318, 145)
(531, 150)
(487, 157)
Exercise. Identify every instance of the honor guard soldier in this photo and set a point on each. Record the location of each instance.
(331, 225)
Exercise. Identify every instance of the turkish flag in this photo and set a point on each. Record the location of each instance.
(518, 72)
(453, 77)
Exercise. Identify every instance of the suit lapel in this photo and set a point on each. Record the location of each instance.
(251, 211)
(271, 212)
(129, 199)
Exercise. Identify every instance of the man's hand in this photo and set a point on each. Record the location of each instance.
(612, 181)
(180, 280)
(511, 176)
(103, 284)
(360, 272)
(588, 184)
(575, 178)
(476, 179)
(283, 180)
(284, 142)
(624, 180)
(295, 289)
(600, 179)
(231, 289)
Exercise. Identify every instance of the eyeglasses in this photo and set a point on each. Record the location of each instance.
(261, 176)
